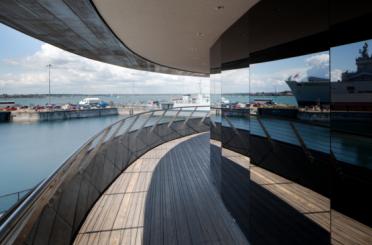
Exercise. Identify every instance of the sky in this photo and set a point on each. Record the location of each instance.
(271, 76)
(23, 69)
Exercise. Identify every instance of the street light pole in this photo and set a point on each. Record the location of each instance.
(49, 66)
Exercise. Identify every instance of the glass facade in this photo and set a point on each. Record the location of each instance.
(290, 140)
(351, 132)
(235, 110)
(295, 131)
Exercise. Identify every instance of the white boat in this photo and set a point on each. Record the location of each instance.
(225, 101)
(192, 100)
(189, 100)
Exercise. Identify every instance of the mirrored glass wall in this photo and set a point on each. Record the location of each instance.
(290, 167)
(215, 114)
(351, 138)
(235, 110)
(235, 144)
(295, 127)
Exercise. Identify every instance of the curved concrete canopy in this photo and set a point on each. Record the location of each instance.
(174, 33)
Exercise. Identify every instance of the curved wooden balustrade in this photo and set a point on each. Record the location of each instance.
(55, 210)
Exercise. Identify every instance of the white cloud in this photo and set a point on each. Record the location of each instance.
(318, 60)
(74, 74)
(272, 82)
(318, 65)
(315, 65)
(235, 81)
(336, 75)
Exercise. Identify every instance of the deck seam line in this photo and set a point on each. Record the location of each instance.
(115, 229)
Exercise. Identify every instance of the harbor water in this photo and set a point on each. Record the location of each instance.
(31, 152)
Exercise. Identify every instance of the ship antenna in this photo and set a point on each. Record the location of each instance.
(364, 51)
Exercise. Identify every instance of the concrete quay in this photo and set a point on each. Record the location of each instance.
(38, 116)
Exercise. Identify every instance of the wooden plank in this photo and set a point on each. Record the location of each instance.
(115, 237)
(122, 216)
(349, 231)
(139, 236)
(166, 197)
(110, 217)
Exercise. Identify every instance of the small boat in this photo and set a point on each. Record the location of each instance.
(225, 101)
(189, 100)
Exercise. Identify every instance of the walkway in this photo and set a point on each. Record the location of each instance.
(165, 197)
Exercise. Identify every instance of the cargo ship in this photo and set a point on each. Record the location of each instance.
(352, 93)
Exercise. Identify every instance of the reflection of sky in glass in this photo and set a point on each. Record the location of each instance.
(271, 76)
(235, 81)
(343, 58)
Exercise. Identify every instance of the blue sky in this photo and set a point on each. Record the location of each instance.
(23, 63)
(343, 57)
(23, 69)
(16, 44)
(270, 76)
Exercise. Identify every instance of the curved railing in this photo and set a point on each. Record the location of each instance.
(56, 208)
(9, 199)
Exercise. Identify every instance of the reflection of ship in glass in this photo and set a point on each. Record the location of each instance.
(313, 92)
(352, 93)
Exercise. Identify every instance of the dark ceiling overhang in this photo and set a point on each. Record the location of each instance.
(273, 30)
(75, 26)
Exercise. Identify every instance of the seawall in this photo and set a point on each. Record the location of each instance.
(34, 116)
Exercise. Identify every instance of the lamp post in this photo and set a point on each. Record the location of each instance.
(49, 67)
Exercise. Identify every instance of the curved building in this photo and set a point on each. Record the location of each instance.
(259, 165)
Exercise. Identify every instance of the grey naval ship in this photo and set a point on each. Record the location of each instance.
(352, 93)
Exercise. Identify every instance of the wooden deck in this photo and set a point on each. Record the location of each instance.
(315, 207)
(165, 197)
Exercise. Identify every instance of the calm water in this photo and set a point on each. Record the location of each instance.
(31, 152)
(142, 99)
(74, 99)
(289, 100)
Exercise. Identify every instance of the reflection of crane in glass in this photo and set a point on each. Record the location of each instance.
(49, 67)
